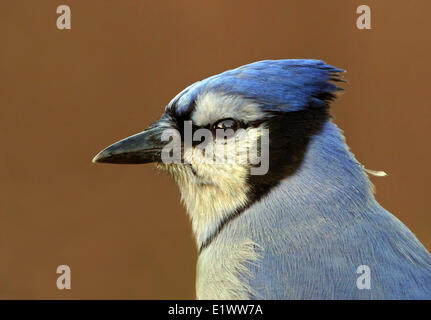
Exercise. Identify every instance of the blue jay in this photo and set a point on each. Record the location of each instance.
(310, 223)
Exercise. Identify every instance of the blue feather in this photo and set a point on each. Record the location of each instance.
(278, 85)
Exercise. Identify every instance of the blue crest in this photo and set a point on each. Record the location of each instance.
(278, 85)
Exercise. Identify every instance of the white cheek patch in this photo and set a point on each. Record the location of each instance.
(212, 106)
(247, 148)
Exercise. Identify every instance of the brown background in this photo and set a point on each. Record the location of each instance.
(64, 95)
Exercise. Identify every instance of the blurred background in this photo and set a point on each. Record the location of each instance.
(65, 95)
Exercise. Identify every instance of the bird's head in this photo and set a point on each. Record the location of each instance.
(235, 134)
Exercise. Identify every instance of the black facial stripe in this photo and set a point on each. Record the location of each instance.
(180, 118)
(289, 136)
(222, 225)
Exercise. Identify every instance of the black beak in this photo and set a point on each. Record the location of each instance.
(143, 147)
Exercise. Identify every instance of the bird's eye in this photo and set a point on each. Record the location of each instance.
(225, 124)
(225, 128)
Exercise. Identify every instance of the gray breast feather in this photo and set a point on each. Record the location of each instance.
(300, 262)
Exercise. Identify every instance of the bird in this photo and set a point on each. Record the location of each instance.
(307, 226)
